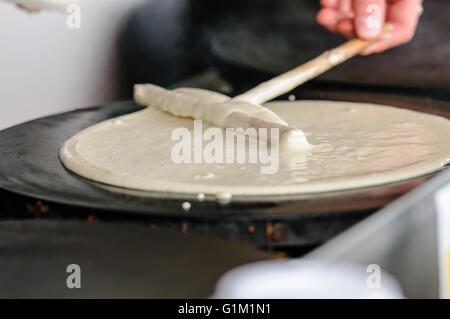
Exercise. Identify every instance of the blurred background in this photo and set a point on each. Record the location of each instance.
(46, 67)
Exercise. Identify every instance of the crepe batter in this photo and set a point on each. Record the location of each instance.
(219, 110)
(354, 145)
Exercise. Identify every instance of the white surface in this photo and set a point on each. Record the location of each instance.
(302, 279)
(46, 67)
(443, 210)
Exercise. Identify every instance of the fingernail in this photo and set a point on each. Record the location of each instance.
(367, 27)
(420, 9)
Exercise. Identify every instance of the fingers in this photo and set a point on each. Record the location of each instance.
(346, 28)
(329, 3)
(364, 19)
(369, 17)
(336, 15)
(346, 9)
(329, 18)
(404, 16)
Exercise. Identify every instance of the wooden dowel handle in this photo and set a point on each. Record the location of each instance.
(286, 82)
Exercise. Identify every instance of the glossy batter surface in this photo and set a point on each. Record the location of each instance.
(355, 145)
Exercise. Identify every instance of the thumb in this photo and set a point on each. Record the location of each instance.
(369, 17)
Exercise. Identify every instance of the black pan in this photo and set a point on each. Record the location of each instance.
(116, 261)
(30, 172)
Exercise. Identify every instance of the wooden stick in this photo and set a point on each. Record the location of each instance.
(286, 82)
(185, 104)
(245, 121)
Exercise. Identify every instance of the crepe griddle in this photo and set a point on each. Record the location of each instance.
(36, 184)
(116, 261)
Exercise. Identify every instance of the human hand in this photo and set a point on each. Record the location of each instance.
(364, 19)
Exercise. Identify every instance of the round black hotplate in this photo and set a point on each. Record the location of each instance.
(30, 169)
